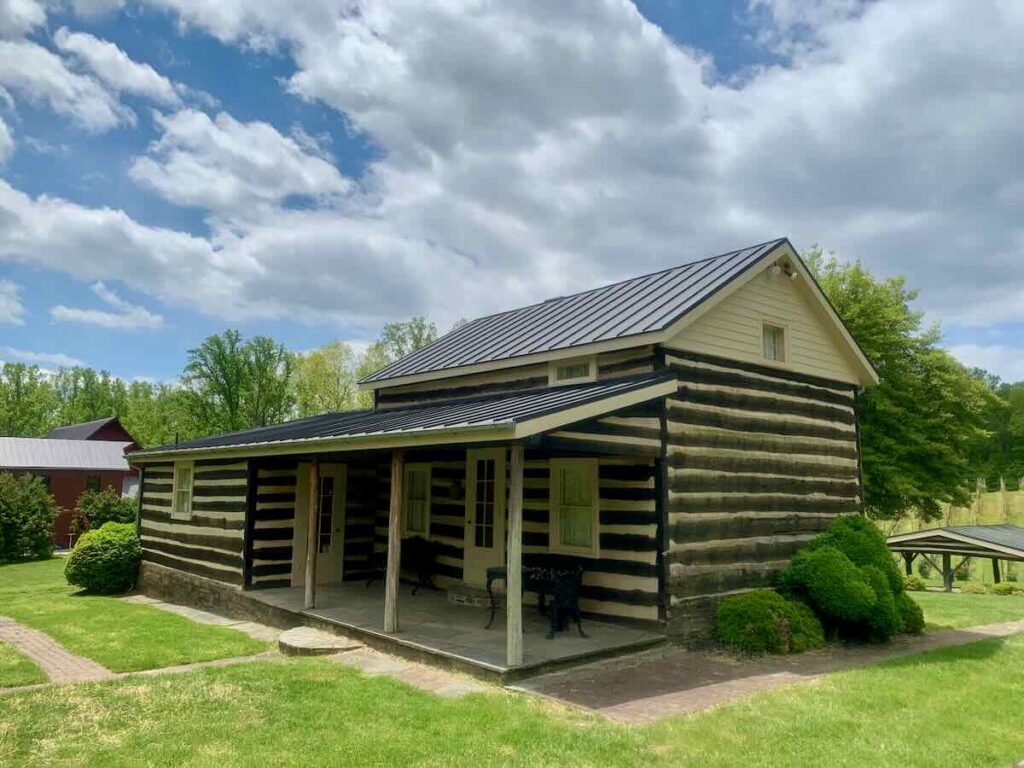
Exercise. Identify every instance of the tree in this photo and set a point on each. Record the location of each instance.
(920, 426)
(27, 401)
(402, 338)
(157, 414)
(325, 380)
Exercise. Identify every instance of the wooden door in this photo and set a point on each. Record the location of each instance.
(485, 514)
(331, 511)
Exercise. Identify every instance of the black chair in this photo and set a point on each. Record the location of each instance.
(418, 555)
(562, 584)
(565, 602)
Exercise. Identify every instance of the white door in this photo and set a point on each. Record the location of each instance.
(331, 519)
(485, 514)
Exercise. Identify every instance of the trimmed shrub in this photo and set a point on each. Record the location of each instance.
(924, 568)
(974, 589)
(911, 615)
(27, 512)
(913, 583)
(763, 621)
(883, 620)
(835, 589)
(861, 541)
(94, 508)
(1003, 588)
(105, 560)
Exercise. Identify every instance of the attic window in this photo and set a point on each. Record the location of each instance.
(573, 371)
(774, 338)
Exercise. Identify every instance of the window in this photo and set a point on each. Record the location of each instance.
(574, 506)
(325, 512)
(417, 499)
(485, 499)
(774, 337)
(92, 482)
(182, 502)
(573, 371)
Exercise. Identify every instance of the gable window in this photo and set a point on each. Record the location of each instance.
(417, 500)
(92, 482)
(774, 340)
(576, 371)
(574, 506)
(181, 501)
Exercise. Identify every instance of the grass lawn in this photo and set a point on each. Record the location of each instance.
(16, 669)
(952, 610)
(121, 636)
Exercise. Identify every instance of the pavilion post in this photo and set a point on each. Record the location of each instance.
(514, 568)
(996, 575)
(947, 572)
(394, 540)
(908, 562)
(312, 536)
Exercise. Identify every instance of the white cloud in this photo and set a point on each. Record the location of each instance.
(46, 358)
(232, 167)
(1005, 361)
(6, 142)
(39, 75)
(17, 17)
(91, 9)
(11, 309)
(115, 68)
(127, 316)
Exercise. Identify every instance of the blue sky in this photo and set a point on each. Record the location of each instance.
(172, 168)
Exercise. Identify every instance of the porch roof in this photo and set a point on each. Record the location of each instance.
(498, 417)
(1005, 542)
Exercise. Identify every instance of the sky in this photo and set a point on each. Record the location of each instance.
(312, 170)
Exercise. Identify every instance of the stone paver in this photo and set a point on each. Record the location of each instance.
(420, 676)
(251, 628)
(650, 686)
(307, 641)
(59, 664)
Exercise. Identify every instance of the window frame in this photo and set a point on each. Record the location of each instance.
(99, 483)
(590, 361)
(176, 513)
(554, 531)
(767, 323)
(409, 469)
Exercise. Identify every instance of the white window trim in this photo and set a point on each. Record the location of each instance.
(554, 365)
(410, 468)
(176, 514)
(554, 545)
(768, 322)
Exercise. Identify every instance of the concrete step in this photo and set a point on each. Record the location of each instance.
(307, 641)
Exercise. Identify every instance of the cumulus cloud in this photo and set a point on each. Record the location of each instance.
(11, 309)
(18, 17)
(115, 68)
(127, 316)
(44, 358)
(1004, 360)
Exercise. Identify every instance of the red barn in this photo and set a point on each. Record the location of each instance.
(71, 460)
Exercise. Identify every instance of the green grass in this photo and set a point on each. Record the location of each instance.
(121, 636)
(16, 669)
(953, 610)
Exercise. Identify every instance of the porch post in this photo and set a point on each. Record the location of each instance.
(394, 541)
(947, 573)
(514, 580)
(312, 535)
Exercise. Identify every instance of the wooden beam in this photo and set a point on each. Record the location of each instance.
(947, 573)
(514, 567)
(312, 535)
(394, 540)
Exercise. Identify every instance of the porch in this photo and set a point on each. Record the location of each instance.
(432, 628)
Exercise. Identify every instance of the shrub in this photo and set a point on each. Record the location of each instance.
(27, 512)
(861, 541)
(924, 568)
(1010, 572)
(911, 615)
(94, 508)
(883, 620)
(913, 583)
(974, 589)
(826, 579)
(105, 559)
(963, 573)
(1003, 588)
(763, 621)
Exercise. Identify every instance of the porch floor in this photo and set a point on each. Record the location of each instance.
(431, 626)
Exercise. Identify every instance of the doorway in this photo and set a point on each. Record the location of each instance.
(484, 545)
(331, 518)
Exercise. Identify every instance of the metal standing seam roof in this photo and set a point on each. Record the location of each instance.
(639, 305)
(50, 453)
(1003, 535)
(82, 431)
(493, 411)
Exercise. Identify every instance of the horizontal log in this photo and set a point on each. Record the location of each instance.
(271, 584)
(684, 481)
(759, 549)
(200, 554)
(613, 517)
(281, 497)
(767, 404)
(200, 506)
(686, 436)
(741, 464)
(270, 515)
(220, 474)
(272, 534)
(775, 386)
(704, 527)
(211, 521)
(626, 472)
(625, 542)
(673, 355)
(628, 494)
(226, 543)
(622, 596)
(217, 491)
(693, 580)
(590, 564)
(767, 502)
(272, 553)
(272, 569)
(682, 413)
(196, 569)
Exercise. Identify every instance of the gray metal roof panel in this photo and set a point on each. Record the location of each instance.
(55, 453)
(638, 305)
(495, 410)
(82, 431)
(1002, 535)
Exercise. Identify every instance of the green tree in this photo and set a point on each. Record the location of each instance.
(157, 414)
(921, 425)
(402, 338)
(325, 380)
(27, 401)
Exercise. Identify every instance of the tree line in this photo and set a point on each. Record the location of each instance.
(927, 432)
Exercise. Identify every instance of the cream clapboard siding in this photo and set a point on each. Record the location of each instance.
(758, 463)
(732, 328)
(610, 365)
(211, 542)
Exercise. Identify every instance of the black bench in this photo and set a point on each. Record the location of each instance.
(563, 584)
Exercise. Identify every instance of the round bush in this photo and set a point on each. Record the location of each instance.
(763, 621)
(884, 619)
(911, 615)
(1002, 588)
(27, 512)
(105, 560)
(861, 541)
(913, 583)
(830, 584)
(94, 508)
(974, 589)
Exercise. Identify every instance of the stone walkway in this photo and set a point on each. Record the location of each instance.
(251, 628)
(59, 664)
(672, 681)
(426, 678)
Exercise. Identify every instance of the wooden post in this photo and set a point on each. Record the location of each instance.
(514, 567)
(947, 573)
(394, 541)
(996, 576)
(312, 535)
(908, 562)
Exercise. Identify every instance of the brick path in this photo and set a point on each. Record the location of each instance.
(420, 676)
(672, 681)
(59, 664)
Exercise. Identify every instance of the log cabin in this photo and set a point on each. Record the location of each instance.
(675, 436)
